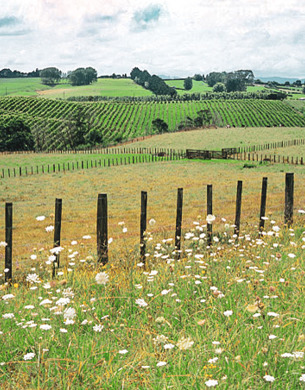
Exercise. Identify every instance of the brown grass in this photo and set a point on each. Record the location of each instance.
(35, 195)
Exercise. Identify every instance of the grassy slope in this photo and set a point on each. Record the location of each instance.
(216, 139)
(103, 87)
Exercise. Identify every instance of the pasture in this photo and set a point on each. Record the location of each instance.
(33, 86)
(227, 316)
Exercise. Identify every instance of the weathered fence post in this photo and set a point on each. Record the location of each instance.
(102, 229)
(289, 189)
(263, 204)
(9, 241)
(179, 222)
(57, 230)
(209, 211)
(238, 207)
(143, 224)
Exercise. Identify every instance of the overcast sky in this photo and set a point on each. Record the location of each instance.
(166, 37)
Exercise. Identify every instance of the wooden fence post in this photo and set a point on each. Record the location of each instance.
(179, 222)
(102, 229)
(263, 204)
(57, 231)
(209, 211)
(238, 207)
(289, 189)
(143, 225)
(9, 241)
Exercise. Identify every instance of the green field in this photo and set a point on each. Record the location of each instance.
(119, 121)
(63, 90)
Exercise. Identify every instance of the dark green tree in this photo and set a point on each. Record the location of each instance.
(219, 87)
(50, 76)
(188, 83)
(15, 135)
(83, 76)
(203, 118)
(159, 126)
(198, 77)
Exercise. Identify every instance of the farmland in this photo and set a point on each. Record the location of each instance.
(121, 121)
(103, 87)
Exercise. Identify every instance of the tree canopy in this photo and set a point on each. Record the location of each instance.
(83, 76)
(234, 81)
(188, 83)
(50, 76)
(153, 83)
(15, 135)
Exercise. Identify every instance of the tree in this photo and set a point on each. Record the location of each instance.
(82, 76)
(50, 76)
(203, 118)
(188, 83)
(159, 126)
(298, 83)
(303, 90)
(235, 83)
(219, 87)
(15, 135)
(77, 127)
(198, 77)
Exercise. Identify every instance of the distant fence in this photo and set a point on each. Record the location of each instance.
(140, 155)
(272, 158)
(102, 222)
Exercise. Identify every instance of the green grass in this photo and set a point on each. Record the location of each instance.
(63, 90)
(198, 86)
(216, 139)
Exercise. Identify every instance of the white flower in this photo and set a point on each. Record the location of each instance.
(141, 302)
(40, 218)
(164, 292)
(69, 313)
(302, 378)
(169, 346)
(56, 250)
(62, 330)
(8, 315)
(160, 339)
(33, 257)
(272, 337)
(272, 314)
(301, 211)
(269, 378)
(8, 296)
(29, 356)
(291, 255)
(87, 237)
(102, 278)
(160, 364)
(110, 240)
(50, 228)
(210, 218)
(45, 327)
(32, 278)
(185, 343)
(3, 243)
(214, 360)
(45, 302)
(63, 301)
(30, 306)
(98, 328)
(211, 383)
(152, 222)
(123, 351)
(228, 313)
(124, 230)
(276, 228)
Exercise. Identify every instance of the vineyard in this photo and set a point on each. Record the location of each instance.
(119, 121)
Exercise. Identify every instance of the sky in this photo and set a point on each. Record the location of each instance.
(166, 37)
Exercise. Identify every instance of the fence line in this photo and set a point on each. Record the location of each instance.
(141, 155)
(102, 222)
(268, 158)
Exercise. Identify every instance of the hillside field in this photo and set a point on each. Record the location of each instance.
(119, 121)
(63, 90)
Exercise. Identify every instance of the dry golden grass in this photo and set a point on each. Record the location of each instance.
(35, 195)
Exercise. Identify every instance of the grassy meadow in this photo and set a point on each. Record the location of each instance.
(216, 139)
(227, 316)
(33, 86)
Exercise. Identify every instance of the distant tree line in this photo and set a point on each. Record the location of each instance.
(230, 82)
(7, 73)
(79, 76)
(263, 95)
(153, 83)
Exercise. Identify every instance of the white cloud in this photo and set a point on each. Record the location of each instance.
(174, 37)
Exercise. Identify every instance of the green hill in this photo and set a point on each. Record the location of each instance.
(118, 121)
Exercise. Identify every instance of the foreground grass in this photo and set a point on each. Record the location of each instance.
(227, 316)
